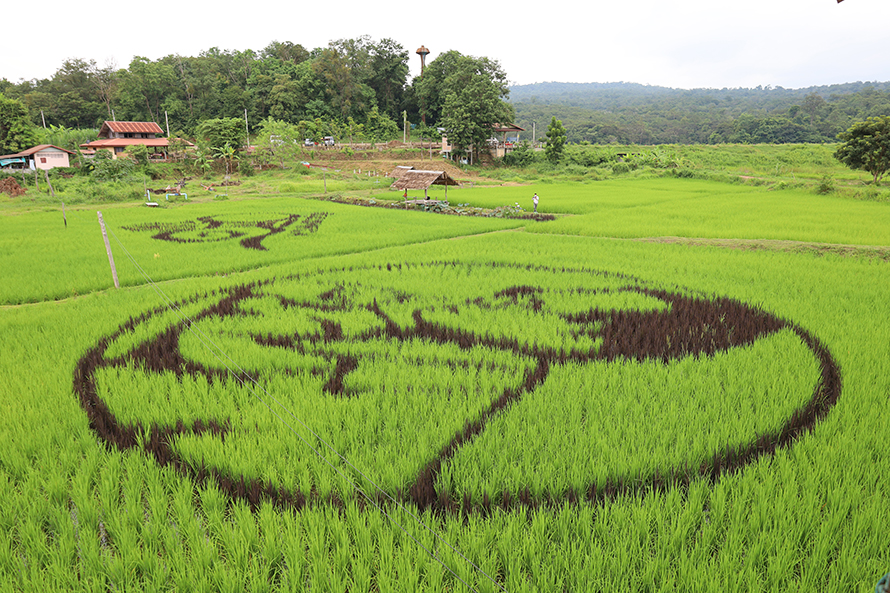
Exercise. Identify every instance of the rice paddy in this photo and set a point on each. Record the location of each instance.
(314, 396)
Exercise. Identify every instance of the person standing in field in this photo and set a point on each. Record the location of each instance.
(535, 202)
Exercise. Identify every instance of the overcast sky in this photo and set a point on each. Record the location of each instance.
(691, 44)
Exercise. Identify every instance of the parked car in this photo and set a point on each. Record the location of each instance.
(308, 142)
(328, 140)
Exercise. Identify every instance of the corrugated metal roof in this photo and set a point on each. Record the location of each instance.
(416, 179)
(35, 149)
(125, 127)
(114, 142)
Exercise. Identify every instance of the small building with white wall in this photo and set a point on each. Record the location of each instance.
(44, 156)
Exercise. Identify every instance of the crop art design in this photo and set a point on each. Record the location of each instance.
(206, 229)
(455, 387)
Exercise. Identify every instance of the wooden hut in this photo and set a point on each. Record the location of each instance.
(415, 179)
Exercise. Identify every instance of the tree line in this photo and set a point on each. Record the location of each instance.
(359, 88)
(350, 77)
(627, 113)
(353, 87)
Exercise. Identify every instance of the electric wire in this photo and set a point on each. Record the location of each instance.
(220, 355)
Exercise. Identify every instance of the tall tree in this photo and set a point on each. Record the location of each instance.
(217, 133)
(17, 132)
(429, 89)
(143, 88)
(286, 52)
(866, 146)
(77, 99)
(389, 74)
(474, 93)
(556, 140)
(106, 81)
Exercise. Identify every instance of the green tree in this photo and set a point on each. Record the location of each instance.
(216, 133)
(474, 94)
(106, 168)
(16, 130)
(389, 74)
(286, 51)
(556, 140)
(228, 154)
(281, 140)
(139, 153)
(346, 94)
(866, 146)
(521, 156)
(143, 88)
(379, 127)
(428, 89)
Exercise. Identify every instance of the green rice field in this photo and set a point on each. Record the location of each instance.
(293, 394)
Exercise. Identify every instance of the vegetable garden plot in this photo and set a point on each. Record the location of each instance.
(455, 386)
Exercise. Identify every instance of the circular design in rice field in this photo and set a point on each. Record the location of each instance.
(456, 387)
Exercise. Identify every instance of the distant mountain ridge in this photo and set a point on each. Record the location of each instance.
(634, 113)
(602, 93)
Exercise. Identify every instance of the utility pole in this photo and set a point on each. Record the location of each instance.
(246, 128)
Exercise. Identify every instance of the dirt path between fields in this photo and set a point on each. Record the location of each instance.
(870, 251)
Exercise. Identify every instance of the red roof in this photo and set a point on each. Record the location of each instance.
(38, 148)
(133, 127)
(117, 142)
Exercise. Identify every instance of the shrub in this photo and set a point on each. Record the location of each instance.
(587, 156)
(826, 185)
(106, 168)
(522, 156)
(620, 168)
(139, 154)
(245, 167)
(64, 171)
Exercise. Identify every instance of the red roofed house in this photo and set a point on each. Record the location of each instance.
(44, 156)
(116, 136)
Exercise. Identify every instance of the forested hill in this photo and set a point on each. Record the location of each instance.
(635, 113)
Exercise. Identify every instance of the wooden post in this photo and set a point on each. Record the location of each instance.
(36, 178)
(64, 218)
(325, 177)
(108, 250)
(51, 190)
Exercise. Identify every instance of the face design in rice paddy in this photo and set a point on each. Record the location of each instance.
(455, 386)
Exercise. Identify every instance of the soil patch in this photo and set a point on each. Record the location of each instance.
(11, 186)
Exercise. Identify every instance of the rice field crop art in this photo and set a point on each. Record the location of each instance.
(249, 232)
(454, 387)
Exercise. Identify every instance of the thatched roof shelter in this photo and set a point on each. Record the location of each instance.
(416, 179)
(399, 171)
